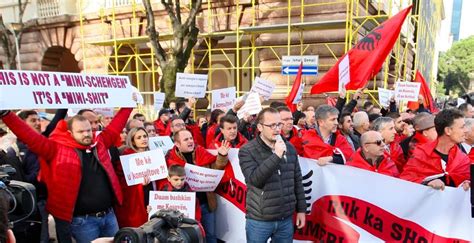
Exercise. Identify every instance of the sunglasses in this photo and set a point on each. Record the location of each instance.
(378, 142)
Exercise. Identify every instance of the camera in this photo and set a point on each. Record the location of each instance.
(20, 196)
(164, 226)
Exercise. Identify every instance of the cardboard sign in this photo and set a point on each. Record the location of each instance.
(191, 85)
(263, 87)
(299, 95)
(384, 96)
(150, 164)
(159, 100)
(252, 105)
(185, 202)
(344, 73)
(223, 99)
(407, 91)
(202, 179)
(161, 142)
(54, 90)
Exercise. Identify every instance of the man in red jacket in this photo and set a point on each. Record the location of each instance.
(229, 132)
(162, 124)
(324, 142)
(386, 127)
(372, 157)
(81, 182)
(441, 163)
(288, 131)
(399, 126)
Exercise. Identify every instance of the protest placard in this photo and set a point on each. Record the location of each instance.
(54, 90)
(407, 91)
(384, 96)
(344, 73)
(299, 95)
(263, 87)
(161, 142)
(159, 100)
(252, 105)
(191, 85)
(185, 202)
(150, 164)
(202, 179)
(223, 99)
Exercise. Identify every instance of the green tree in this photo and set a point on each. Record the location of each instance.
(185, 36)
(456, 66)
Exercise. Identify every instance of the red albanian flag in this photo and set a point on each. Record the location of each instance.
(294, 90)
(366, 57)
(425, 91)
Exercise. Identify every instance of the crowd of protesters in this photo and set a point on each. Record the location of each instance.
(74, 162)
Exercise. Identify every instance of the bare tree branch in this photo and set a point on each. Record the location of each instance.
(170, 12)
(154, 35)
(195, 7)
(177, 7)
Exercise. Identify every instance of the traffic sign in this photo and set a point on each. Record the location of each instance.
(290, 65)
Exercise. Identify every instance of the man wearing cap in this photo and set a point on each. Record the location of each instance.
(425, 131)
(372, 157)
(162, 125)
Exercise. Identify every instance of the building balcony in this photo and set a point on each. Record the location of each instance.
(53, 8)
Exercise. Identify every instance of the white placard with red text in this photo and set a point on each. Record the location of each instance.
(150, 164)
(54, 90)
(106, 112)
(185, 202)
(202, 179)
(223, 99)
(191, 85)
(263, 87)
(299, 95)
(344, 73)
(407, 91)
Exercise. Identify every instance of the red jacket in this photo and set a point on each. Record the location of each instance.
(397, 156)
(211, 135)
(60, 164)
(399, 137)
(240, 141)
(161, 128)
(166, 186)
(197, 135)
(386, 166)
(296, 140)
(314, 147)
(426, 162)
(132, 212)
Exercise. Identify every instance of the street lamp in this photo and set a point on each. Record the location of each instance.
(15, 29)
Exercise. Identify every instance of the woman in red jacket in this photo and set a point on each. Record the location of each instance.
(132, 212)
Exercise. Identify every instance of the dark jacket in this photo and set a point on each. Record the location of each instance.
(274, 186)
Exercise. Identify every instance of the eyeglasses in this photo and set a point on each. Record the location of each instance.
(378, 142)
(288, 119)
(274, 125)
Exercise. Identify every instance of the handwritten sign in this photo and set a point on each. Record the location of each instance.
(53, 90)
(263, 87)
(159, 100)
(384, 96)
(185, 202)
(150, 164)
(191, 85)
(252, 105)
(407, 91)
(106, 112)
(202, 179)
(344, 73)
(299, 95)
(223, 99)
(161, 142)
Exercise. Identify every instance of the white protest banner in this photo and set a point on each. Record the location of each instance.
(263, 87)
(159, 100)
(160, 142)
(185, 202)
(299, 95)
(54, 90)
(202, 179)
(252, 105)
(384, 96)
(191, 85)
(342, 208)
(137, 166)
(407, 91)
(106, 112)
(344, 73)
(223, 99)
